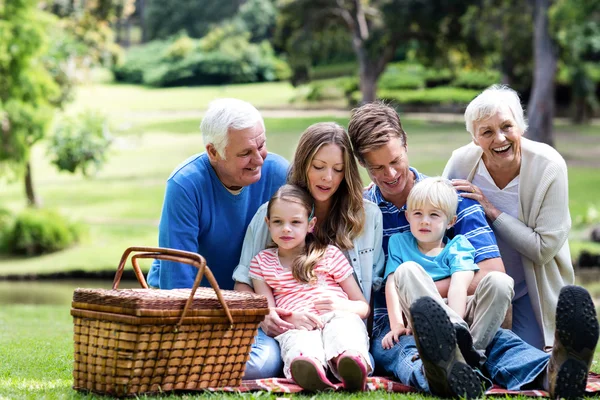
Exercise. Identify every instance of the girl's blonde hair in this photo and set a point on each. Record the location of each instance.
(303, 266)
(436, 191)
(346, 218)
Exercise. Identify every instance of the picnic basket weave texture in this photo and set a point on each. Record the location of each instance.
(134, 341)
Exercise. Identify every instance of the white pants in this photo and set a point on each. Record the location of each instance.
(342, 331)
(485, 310)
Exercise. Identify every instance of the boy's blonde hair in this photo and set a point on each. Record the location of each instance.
(436, 191)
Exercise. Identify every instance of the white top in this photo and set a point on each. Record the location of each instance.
(507, 201)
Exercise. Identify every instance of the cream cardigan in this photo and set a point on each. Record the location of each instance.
(541, 232)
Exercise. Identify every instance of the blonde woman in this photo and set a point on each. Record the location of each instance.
(325, 166)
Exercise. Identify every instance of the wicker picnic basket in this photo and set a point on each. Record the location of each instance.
(134, 341)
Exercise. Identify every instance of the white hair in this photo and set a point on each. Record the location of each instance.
(492, 100)
(225, 114)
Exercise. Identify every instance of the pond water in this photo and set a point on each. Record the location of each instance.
(56, 292)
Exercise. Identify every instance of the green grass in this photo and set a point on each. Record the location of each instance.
(116, 98)
(36, 354)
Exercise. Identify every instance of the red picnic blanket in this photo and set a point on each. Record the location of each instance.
(281, 385)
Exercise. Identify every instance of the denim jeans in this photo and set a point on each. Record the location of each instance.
(265, 359)
(511, 362)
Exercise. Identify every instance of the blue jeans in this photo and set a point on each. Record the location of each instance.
(265, 359)
(511, 362)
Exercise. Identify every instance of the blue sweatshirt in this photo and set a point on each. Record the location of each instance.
(200, 215)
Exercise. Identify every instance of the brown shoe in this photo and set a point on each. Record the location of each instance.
(446, 371)
(575, 341)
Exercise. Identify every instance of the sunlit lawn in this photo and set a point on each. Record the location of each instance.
(36, 359)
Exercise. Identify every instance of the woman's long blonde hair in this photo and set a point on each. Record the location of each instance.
(346, 218)
(303, 266)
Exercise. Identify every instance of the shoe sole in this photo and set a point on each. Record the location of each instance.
(306, 375)
(353, 375)
(464, 340)
(577, 329)
(436, 341)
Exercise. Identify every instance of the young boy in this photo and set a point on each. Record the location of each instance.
(430, 255)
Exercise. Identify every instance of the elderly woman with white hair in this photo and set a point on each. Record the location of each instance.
(522, 186)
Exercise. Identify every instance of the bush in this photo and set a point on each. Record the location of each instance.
(38, 232)
(334, 70)
(402, 76)
(224, 55)
(447, 96)
(476, 79)
(6, 226)
(80, 143)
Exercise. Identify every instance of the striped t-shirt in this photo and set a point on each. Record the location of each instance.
(292, 295)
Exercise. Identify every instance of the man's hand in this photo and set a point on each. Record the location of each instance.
(305, 321)
(273, 323)
(393, 336)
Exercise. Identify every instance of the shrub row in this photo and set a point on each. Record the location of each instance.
(36, 231)
(185, 61)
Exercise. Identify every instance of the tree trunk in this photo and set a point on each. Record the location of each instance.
(541, 103)
(32, 199)
(368, 81)
(141, 5)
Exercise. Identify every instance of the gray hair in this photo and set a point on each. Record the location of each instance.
(489, 102)
(225, 114)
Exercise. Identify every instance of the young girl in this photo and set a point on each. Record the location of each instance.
(296, 273)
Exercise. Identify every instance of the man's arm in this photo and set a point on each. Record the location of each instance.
(485, 266)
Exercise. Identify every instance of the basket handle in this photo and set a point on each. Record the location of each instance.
(186, 257)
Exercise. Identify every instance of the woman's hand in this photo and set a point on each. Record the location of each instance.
(392, 337)
(468, 190)
(273, 324)
(304, 320)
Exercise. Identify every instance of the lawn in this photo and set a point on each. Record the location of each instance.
(36, 360)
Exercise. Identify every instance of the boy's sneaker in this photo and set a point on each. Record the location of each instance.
(474, 358)
(445, 369)
(575, 341)
(310, 375)
(353, 372)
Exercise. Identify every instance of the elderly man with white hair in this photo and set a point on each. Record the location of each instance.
(209, 201)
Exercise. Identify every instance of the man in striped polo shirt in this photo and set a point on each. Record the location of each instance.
(379, 143)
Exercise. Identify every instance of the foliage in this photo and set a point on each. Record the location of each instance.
(6, 226)
(402, 76)
(445, 96)
(337, 70)
(476, 79)
(27, 90)
(224, 55)
(375, 28)
(80, 143)
(576, 24)
(497, 35)
(40, 231)
(258, 18)
(164, 19)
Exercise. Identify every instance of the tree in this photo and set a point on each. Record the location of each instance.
(376, 27)
(166, 18)
(576, 27)
(541, 102)
(26, 88)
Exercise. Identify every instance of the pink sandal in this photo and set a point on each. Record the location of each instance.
(353, 371)
(310, 375)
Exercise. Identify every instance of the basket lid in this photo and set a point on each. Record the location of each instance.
(156, 302)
